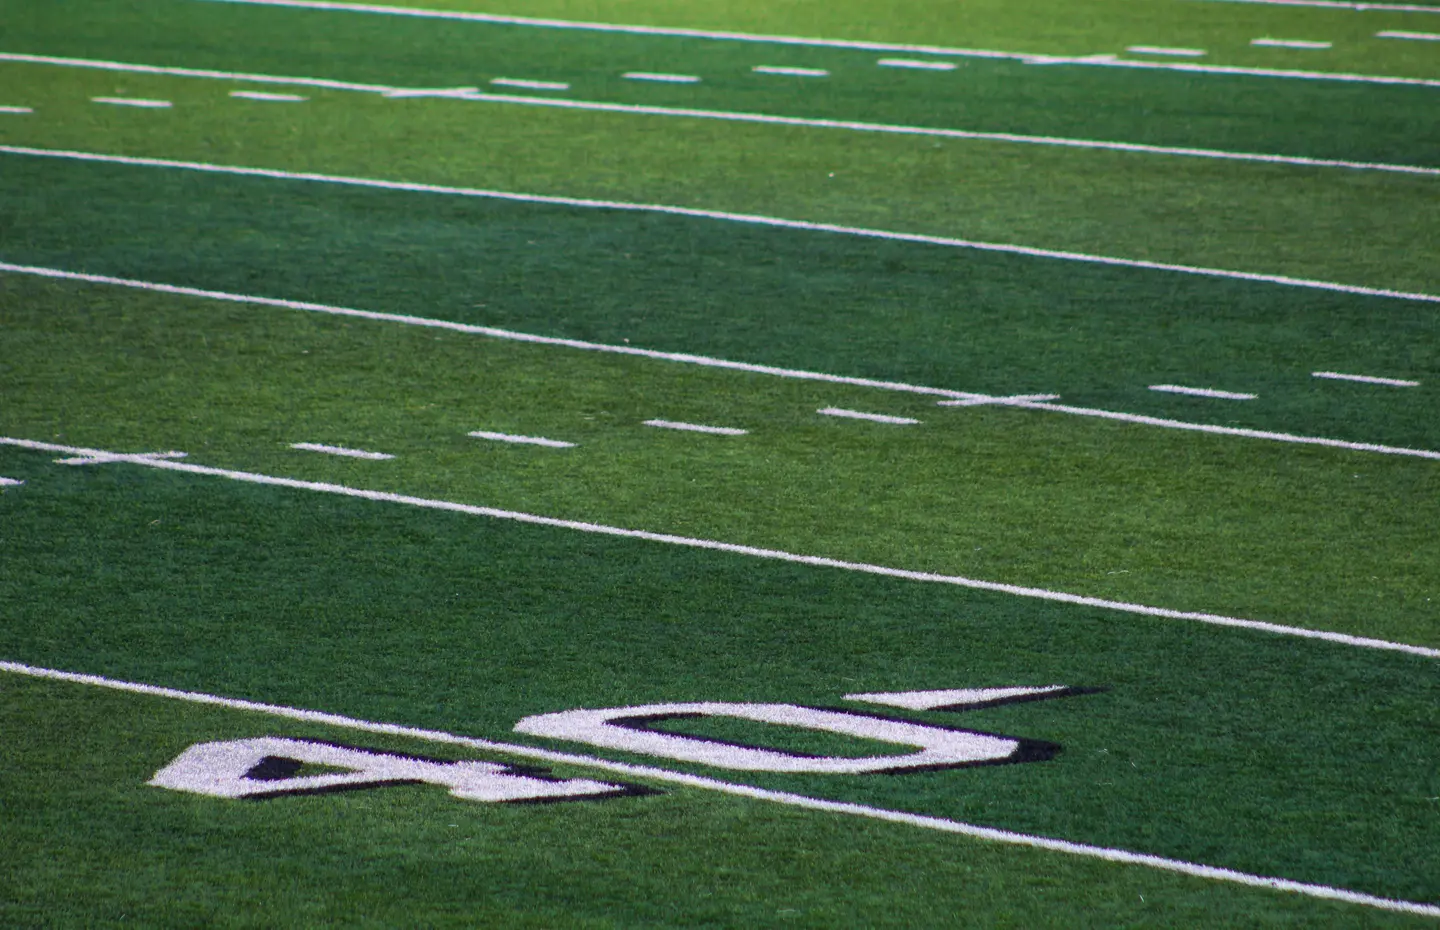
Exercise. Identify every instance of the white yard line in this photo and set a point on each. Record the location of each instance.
(1162, 50)
(100, 456)
(530, 85)
(1367, 379)
(919, 65)
(1419, 36)
(794, 72)
(873, 417)
(474, 95)
(524, 440)
(744, 218)
(1096, 60)
(10, 482)
(697, 428)
(16, 110)
(661, 78)
(134, 102)
(1201, 392)
(266, 96)
(340, 450)
(1290, 43)
(990, 834)
(954, 398)
(1359, 7)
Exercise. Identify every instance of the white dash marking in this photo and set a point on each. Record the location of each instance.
(662, 78)
(916, 63)
(794, 72)
(10, 482)
(262, 95)
(712, 545)
(134, 102)
(1162, 50)
(1290, 43)
(526, 440)
(530, 85)
(1419, 36)
(697, 428)
(340, 450)
(922, 821)
(857, 415)
(1367, 379)
(16, 110)
(461, 92)
(979, 400)
(957, 698)
(1201, 392)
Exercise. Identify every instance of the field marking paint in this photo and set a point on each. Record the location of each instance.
(473, 94)
(743, 218)
(264, 95)
(1419, 36)
(526, 440)
(990, 834)
(874, 417)
(530, 85)
(1162, 50)
(1192, 68)
(914, 63)
(1330, 4)
(340, 450)
(955, 699)
(954, 398)
(134, 102)
(10, 482)
(16, 110)
(1368, 379)
(1098, 60)
(1290, 43)
(794, 72)
(1201, 392)
(697, 428)
(166, 464)
(662, 78)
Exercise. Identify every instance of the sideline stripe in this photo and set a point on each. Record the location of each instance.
(955, 398)
(134, 102)
(340, 450)
(152, 461)
(746, 218)
(527, 440)
(473, 94)
(1201, 392)
(1368, 379)
(1119, 856)
(1100, 60)
(874, 417)
(697, 428)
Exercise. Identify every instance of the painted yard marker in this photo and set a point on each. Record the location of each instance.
(10, 482)
(1418, 36)
(662, 78)
(16, 110)
(529, 85)
(697, 428)
(340, 450)
(134, 102)
(474, 95)
(1201, 392)
(916, 64)
(167, 464)
(1367, 379)
(1290, 43)
(268, 97)
(1162, 50)
(955, 699)
(954, 398)
(794, 72)
(1119, 856)
(873, 417)
(1098, 60)
(526, 440)
(1328, 4)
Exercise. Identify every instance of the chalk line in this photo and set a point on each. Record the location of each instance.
(340, 450)
(134, 102)
(473, 94)
(795, 72)
(1162, 50)
(919, 65)
(170, 464)
(1201, 392)
(10, 482)
(662, 78)
(1367, 379)
(1418, 36)
(524, 440)
(530, 85)
(873, 417)
(263, 95)
(1290, 43)
(953, 397)
(17, 110)
(697, 428)
(1359, 7)
(991, 834)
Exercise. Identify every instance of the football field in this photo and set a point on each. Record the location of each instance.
(550, 463)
